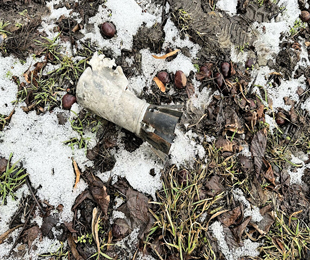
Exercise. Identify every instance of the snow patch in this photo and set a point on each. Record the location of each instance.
(229, 6)
(249, 211)
(185, 148)
(127, 16)
(136, 167)
(38, 142)
(249, 248)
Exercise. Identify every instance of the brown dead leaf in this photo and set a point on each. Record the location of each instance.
(269, 173)
(190, 90)
(258, 147)
(238, 231)
(8, 232)
(264, 225)
(231, 217)
(246, 163)
(3, 164)
(120, 228)
(136, 208)
(48, 223)
(230, 238)
(214, 186)
(159, 84)
(265, 209)
(224, 144)
(77, 172)
(84, 195)
(166, 55)
(232, 121)
(95, 228)
(69, 226)
(31, 75)
(258, 197)
(74, 251)
(288, 101)
(99, 192)
(31, 234)
(260, 111)
(293, 115)
(307, 44)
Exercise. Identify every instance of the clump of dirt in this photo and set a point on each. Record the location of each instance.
(24, 20)
(149, 38)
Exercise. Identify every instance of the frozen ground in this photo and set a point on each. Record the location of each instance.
(37, 140)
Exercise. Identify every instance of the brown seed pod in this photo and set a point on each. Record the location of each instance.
(107, 29)
(280, 118)
(206, 71)
(225, 68)
(180, 79)
(163, 76)
(67, 101)
(305, 16)
(219, 79)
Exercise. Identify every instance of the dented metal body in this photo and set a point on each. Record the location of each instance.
(102, 89)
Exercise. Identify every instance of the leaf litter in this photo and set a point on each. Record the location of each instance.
(218, 186)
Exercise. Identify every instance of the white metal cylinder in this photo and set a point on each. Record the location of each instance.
(102, 89)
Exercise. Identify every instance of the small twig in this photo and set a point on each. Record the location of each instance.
(20, 233)
(33, 195)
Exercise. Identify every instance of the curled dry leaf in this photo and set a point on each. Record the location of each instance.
(99, 193)
(3, 164)
(84, 195)
(190, 90)
(231, 217)
(31, 75)
(166, 55)
(69, 226)
(74, 251)
(269, 173)
(159, 84)
(77, 173)
(95, 228)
